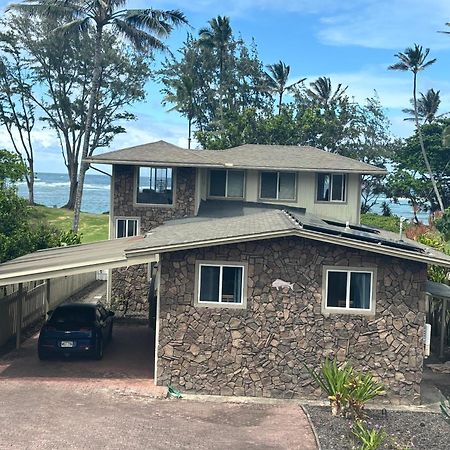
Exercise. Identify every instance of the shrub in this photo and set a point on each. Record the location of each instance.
(334, 380)
(445, 409)
(371, 439)
(362, 388)
(443, 224)
(347, 390)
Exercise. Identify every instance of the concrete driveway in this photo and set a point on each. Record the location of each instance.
(113, 404)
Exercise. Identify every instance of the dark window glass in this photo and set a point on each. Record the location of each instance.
(232, 284)
(286, 186)
(73, 315)
(217, 183)
(323, 187)
(121, 225)
(235, 185)
(126, 228)
(269, 185)
(338, 187)
(155, 185)
(337, 289)
(360, 290)
(209, 283)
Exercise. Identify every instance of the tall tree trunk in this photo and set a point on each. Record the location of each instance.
(280, 101)
(422, 147)
(189, 132)
(87, 134)
(73, 184)
(30, 182)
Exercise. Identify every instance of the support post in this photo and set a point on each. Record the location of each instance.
(19, 316)
(443, 328)
(47, 296)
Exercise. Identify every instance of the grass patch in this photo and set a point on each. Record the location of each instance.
(93, 227)
(389, 223)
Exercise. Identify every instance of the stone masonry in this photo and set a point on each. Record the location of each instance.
(129, 288)
(260, 350)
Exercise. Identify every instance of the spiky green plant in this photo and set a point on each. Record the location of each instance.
(370, 439)
(334, 380)
(361, 389)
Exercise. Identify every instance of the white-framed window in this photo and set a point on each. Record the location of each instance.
(220, 284)
(331, 187)
(226, 183)
(277, 185)
(154, 185)
(349, 290)
(126, 227)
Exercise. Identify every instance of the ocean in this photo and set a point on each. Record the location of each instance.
(51, 189)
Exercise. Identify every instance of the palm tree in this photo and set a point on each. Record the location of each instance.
(145, 29)
(321, 91)
(427, 106)
(413, 60)
(277, 79)
(218, 37)
(180, 92)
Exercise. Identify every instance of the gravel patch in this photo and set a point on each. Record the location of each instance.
(405, 430)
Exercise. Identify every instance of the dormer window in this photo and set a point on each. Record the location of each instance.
(331, 187)
(154, 186)
(226, 183)
(277, 186)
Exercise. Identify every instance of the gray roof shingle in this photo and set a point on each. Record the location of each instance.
(249, 156)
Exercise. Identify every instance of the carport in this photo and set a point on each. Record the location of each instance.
(64, 261)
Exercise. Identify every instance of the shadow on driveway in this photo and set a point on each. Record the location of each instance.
(130, 355)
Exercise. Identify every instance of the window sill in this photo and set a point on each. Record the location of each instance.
(218, 305)
(153, 205)
(349, 312)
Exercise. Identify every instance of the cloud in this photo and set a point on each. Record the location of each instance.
(384, 24)
(388, 24)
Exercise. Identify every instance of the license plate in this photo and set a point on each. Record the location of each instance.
(67, 344)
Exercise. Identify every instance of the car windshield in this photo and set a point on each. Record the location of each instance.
(73, 315)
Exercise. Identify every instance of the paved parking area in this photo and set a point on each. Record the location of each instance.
(113, 404)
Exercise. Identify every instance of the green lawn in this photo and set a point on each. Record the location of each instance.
(93, 227)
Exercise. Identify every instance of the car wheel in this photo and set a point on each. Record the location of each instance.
(99, 349)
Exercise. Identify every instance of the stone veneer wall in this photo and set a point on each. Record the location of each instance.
(260, 351)
(129, 286)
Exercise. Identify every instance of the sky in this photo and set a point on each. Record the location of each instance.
(352, 42)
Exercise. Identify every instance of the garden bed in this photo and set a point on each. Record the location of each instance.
(405, 430)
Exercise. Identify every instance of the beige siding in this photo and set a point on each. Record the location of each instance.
(306, 195)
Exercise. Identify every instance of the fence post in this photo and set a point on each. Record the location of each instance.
(47, 296)
(19, 316)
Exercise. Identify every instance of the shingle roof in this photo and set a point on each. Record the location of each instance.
(249, 156)
(251, 222)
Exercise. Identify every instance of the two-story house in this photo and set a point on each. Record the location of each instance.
(263, 266)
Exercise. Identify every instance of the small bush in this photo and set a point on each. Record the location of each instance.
(443, 224)
(445, 409)
(362, 388)
(334, 380)
(370, 439)
(347, 390)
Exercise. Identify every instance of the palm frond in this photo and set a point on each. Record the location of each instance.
(74, 27)
(159, 23)
(398, 66)
(141, 40)
(48, 8)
